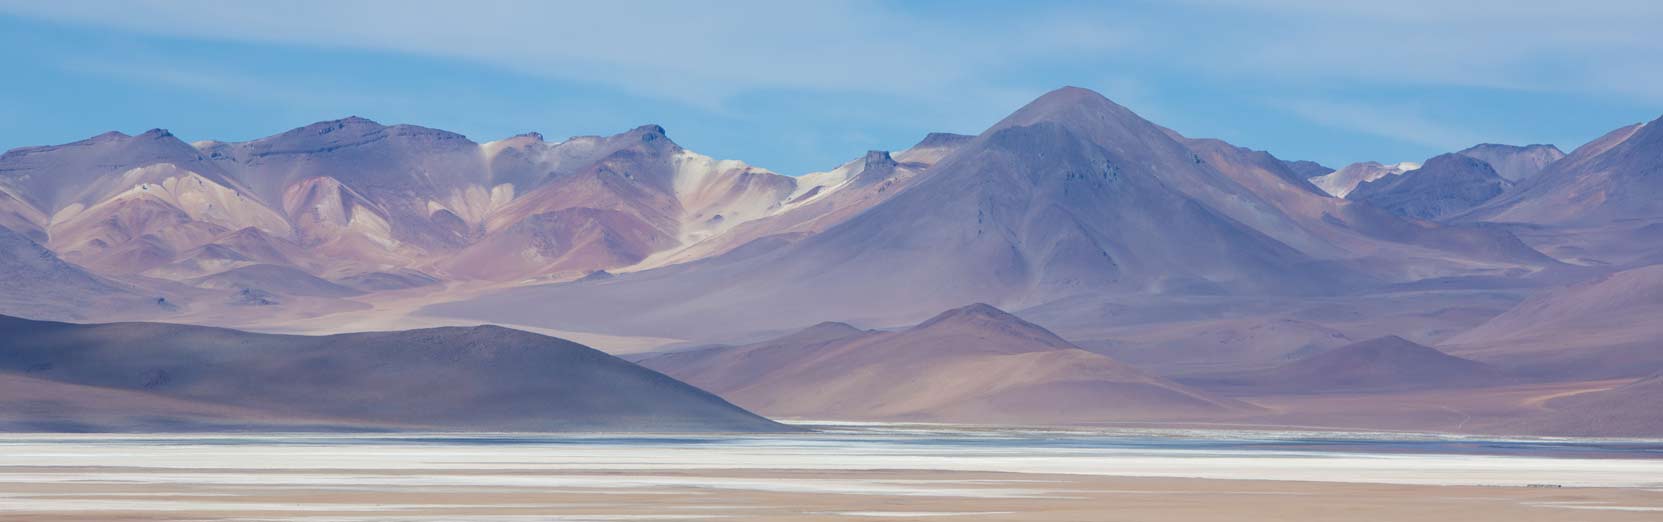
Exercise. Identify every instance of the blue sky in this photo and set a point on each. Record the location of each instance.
(798, 86)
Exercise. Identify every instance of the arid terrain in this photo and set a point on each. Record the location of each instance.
(517, 261)
(1073, 264)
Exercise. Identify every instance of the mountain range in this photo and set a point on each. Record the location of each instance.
(1070, 196)
(1158, 275)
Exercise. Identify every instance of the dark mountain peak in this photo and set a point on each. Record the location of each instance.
(649, 132)
(1391, 352)
(1455, 161)
(827, 331)
(1069, 106)
(1441, 168)
(112, 135)
(427, 135)
(490, 331)
(156, 134)
(343, 126)
(647, 137)
(876, 166)
(533, 136)
(832, 326)
(1382, 363)
(598, 275)
(980, 315)
(1506, 147)
(878, 158)
(819, 333)
(997, 330)
(355, 120)
(976, 310)
(1306, 168)
(349, 122)
(358, 126)
(1445, 185)
(1390, 344)
(323, 136)
(1488, 146)
(942, 139)
(1071, 96)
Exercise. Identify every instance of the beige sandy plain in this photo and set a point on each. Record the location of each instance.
(1008, 497)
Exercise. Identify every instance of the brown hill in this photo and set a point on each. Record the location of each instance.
(1388, 363)
(1604, 328)
(971, 364)
(1613, 178)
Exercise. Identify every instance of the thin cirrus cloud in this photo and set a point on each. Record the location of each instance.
(703, 53)
(243, 86)
(1545, 45)
(698, 54)
(1404, 123)
(808, 84)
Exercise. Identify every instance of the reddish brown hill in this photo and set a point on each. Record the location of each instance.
(971, 364)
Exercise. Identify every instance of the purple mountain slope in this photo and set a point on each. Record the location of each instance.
(36, 283)
(1381, 364)
(494, 379)
(1307, 169)
(1071, 195)
(1613, 178)
(1445, 186)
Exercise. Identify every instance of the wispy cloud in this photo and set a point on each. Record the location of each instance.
(228, 84)
(704, 53)
(1393, 69)
(1403, 123)
(1541, 45)
(697, 53)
